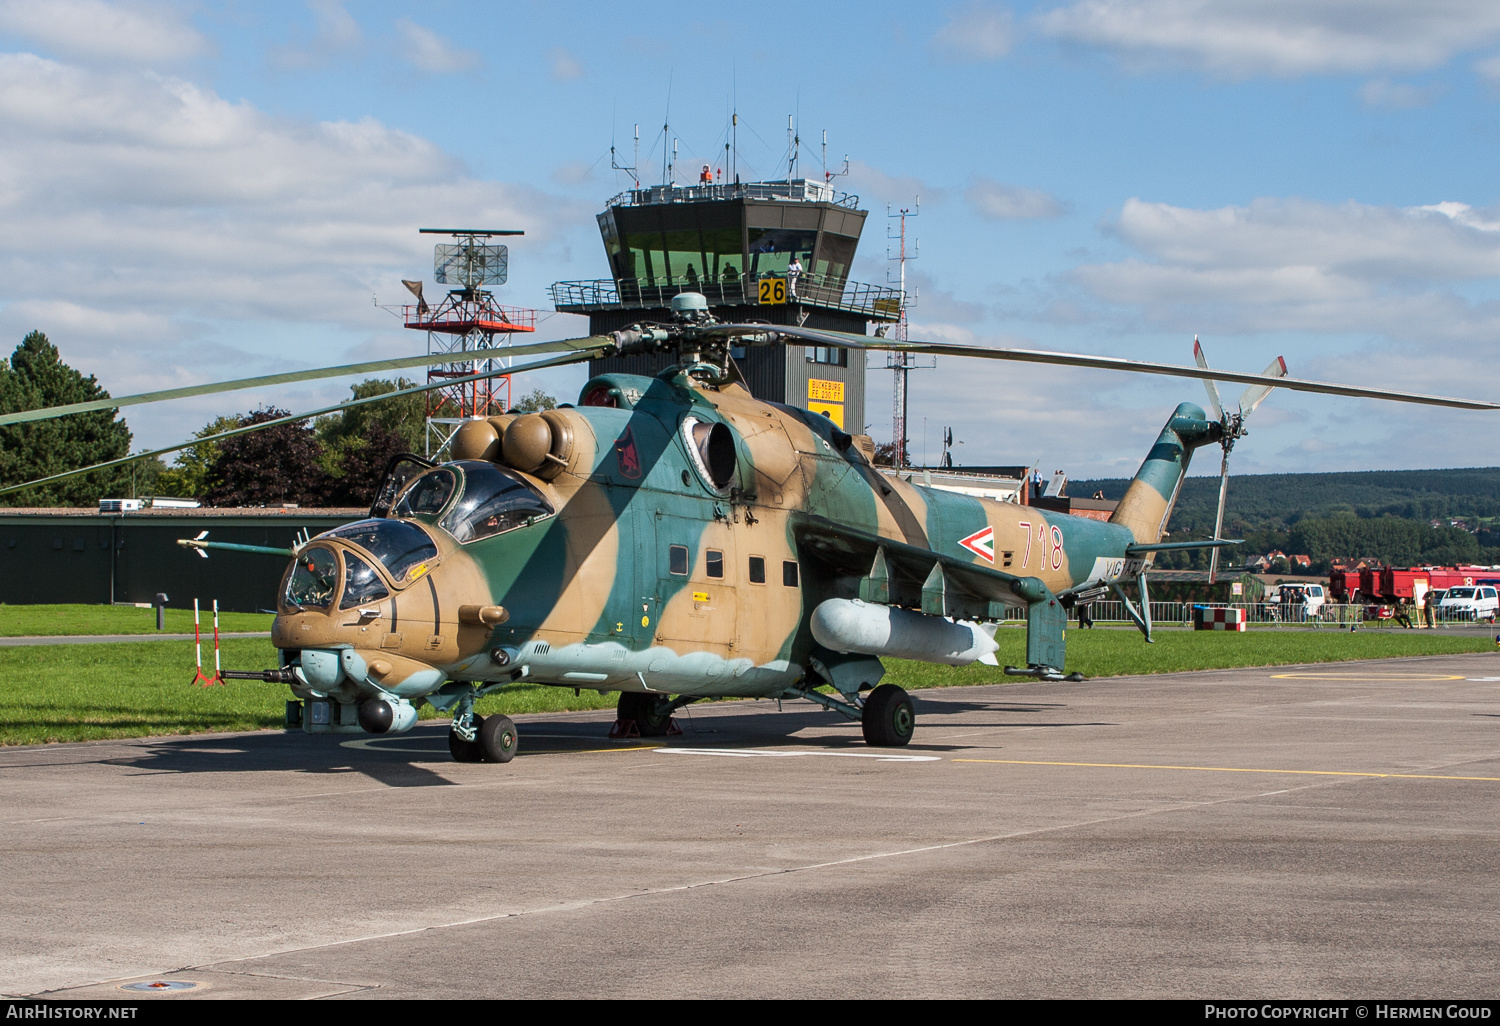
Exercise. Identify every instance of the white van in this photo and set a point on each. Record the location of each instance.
(1303, 599)
(1480, 602)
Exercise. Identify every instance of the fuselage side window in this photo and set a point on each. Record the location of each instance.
(677, 560)
(757, 569)
(789, 573)
(715, 563)
(361, 584)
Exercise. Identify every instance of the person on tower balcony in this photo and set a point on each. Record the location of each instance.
(793, 272)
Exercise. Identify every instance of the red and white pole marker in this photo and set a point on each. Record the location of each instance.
(198, 677)
(218, 673)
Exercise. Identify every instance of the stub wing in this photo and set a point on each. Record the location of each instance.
(898, 573)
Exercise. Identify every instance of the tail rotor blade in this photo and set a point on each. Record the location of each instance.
(1213, 559)
(1208, 383)
(1256, 394)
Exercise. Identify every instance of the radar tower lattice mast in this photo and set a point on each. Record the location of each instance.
(467, 319)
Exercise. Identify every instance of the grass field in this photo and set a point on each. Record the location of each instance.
(139, 689)
(52, 621)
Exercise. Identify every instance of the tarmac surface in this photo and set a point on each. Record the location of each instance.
(1324, 831)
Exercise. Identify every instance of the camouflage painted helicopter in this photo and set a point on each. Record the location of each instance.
(673, 538)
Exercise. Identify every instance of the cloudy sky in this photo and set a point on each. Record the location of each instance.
(191, 191)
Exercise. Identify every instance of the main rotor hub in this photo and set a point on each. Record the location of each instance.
(689, 307)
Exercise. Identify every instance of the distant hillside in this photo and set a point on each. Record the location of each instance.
(1277, 501)
(1384, 514)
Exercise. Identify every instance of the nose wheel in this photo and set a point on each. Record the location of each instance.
(495, 740)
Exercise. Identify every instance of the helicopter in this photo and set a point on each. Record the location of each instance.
(673, 538)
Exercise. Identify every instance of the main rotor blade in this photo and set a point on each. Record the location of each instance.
(1115, 363)
(556, 361)
(1256, 394)
(431, 359)
(1208, 383)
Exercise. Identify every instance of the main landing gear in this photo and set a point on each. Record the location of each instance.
(889, 719)
(494, 740)
(642, 715)
(887, 716)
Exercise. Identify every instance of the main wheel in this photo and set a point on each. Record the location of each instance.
(889, 718)
(497, 739)
(651, 716)
(466, 751)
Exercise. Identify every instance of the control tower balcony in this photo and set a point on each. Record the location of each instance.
(869, 302)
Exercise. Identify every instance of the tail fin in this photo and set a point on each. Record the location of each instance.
(1149, 500)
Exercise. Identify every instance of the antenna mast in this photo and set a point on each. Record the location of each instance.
(901, 362)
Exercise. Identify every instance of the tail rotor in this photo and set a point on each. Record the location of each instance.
(1234, 430)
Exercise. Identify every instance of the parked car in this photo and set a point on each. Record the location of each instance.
(1480, 602)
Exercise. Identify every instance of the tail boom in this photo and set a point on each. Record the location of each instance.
(1148, 501)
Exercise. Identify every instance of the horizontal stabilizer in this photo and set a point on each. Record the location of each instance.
(1141, 548)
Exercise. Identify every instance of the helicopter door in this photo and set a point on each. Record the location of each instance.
(696, 585)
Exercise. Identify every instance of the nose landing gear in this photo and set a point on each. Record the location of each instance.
(474, 738)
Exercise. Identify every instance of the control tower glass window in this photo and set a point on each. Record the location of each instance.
(834, 257)
(644, 256)
(771, 249)
(721, 248)
(685, 257)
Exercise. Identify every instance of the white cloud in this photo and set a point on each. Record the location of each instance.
(129, 32)
(1279, 37)
(337, 32)
(564, 66)
(1383, 94)
(900, 190)
(430, 52)
(979, 32)
(1282, 264)
(1489, 69)
(1003, 202)
(159, 232)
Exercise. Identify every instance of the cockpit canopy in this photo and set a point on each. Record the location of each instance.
(473, 499)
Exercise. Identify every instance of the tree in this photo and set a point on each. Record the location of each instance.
(36, 377)
(268, 467)
(535, 401)
(188, 477)
(358, 442)
(885, 455)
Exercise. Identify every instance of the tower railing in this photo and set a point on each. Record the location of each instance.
(875, 302)
(802, 190)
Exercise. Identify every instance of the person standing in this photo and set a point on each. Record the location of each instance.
(1427, 611)
(793, 272)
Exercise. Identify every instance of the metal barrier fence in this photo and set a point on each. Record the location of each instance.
(1326, 615)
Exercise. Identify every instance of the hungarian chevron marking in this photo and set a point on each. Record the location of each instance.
(981, 543)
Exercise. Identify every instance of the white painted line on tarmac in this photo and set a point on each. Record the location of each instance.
(753, 753)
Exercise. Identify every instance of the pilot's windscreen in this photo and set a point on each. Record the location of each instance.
(313, 580)
(428, 495)
(361, 583)
(494, 501)
(398, 546)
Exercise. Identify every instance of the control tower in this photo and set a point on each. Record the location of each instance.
(736, 245)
